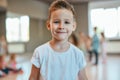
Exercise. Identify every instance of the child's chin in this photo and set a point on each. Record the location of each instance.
(61, 38)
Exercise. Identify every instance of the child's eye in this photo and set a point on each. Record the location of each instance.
(56, 22)
(67, 22)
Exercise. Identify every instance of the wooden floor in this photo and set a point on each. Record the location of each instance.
(108, 71)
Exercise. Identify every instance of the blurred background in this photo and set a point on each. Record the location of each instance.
(23, 25)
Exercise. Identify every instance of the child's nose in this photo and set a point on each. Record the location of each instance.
(61, 26)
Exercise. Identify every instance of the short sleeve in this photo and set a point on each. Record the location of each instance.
(35, 60)
(82, 61)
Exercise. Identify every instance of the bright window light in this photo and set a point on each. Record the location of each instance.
(17, 29)
(107, 20)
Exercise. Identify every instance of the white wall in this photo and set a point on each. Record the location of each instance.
(16, 48)
(113, 47)
(82, 17)
(104, 4)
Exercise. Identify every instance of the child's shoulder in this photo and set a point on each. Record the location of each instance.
(42, 46)
(75, 49)
(77, 52)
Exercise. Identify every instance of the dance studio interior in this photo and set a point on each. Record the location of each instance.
(23, 28)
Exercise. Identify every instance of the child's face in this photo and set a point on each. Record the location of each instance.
(61, 24)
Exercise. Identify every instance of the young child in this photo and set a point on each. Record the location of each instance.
(2, 66)
(12, 62)
(103, 47)
(58, 59)
(5, 69)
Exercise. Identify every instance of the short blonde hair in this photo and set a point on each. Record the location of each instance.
(60, 4)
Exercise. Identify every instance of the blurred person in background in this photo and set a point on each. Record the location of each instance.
(88, 43)
(103, 47)
(82, 42)
(12, 61)
(5, 69)
(3, 64)
(74, 39)
(3, 45)
(95, 45)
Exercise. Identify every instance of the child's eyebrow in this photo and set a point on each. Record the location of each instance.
(59, 19)
(55, 18)
(67, 19)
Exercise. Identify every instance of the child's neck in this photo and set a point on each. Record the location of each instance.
(59, 46)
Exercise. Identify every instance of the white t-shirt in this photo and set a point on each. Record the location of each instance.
(58, 66)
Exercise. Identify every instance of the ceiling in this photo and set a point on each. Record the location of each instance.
(77, 1)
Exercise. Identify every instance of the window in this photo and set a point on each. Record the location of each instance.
(107, 20)
(17, 29)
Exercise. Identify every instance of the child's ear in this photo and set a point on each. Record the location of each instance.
(48, 25)
(74, 26)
